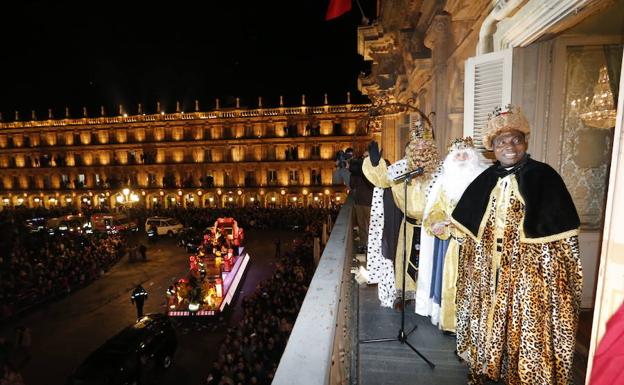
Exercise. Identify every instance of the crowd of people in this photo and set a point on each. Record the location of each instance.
(37, 267)
(252, 349)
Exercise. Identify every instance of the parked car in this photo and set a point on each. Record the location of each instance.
(164, 225)
(112, 223)
(35, 225)
(68, 224)
(119, 360)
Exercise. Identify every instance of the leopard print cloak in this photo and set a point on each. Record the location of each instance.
(517, 322)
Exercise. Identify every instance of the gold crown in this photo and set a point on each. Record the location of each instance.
(500, 121)
(460, 143)
(420, 130)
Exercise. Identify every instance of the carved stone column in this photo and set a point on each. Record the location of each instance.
(439, 39)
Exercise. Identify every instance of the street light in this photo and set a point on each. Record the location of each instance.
(127, 196)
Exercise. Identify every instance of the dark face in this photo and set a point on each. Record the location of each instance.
(509, 147)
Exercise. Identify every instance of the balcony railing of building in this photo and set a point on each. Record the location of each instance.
(217, 114)
(326, 317)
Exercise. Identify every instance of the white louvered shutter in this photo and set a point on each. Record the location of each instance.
(487, 86)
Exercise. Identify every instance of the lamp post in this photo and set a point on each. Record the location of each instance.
(127, 197)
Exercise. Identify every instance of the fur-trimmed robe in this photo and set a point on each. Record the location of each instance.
(519, 282)
(389, 277)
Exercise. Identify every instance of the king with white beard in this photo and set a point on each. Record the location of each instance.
(460, 167)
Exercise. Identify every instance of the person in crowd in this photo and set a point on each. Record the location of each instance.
(278, 248)
(138, 298)
(143, 252)
(341, 173)
(362, 192)
(519, 279)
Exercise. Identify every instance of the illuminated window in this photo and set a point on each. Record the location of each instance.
(293, 176)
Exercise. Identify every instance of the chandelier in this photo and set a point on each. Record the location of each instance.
(600, 113)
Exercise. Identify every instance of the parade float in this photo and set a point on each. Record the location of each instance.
(215, 272)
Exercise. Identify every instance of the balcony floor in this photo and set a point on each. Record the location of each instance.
(393, 363)
(390, 363)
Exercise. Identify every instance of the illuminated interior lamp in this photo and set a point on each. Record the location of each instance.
(154, 199)
(252, 199)
(134, 197)
(125, 191)
(193, 306)
(294, 199)
(119, 198)
(283, 192)
(239, 192)
(272, 199)
(230, 199)
(180, 192)
(316, 199)
(161, 192)
(210, 199)
(338, 198)
(199, 192)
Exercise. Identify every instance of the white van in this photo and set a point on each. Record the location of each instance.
(164, 225)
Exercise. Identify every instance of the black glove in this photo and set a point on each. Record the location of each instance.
(373, 153)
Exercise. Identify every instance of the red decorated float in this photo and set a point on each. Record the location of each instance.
(214, 273)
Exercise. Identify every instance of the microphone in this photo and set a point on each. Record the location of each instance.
(415, 172)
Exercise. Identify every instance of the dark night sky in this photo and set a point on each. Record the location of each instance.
(88, 53)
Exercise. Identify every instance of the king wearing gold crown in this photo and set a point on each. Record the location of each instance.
(437, 274)
(384, 243)
(519, 273)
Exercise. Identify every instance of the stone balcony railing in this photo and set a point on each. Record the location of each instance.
(318, 350)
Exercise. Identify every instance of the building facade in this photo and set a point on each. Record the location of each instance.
(271, 157)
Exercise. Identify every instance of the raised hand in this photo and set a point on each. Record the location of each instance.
(373, 153)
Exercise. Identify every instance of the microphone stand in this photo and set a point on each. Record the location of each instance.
(402, 336)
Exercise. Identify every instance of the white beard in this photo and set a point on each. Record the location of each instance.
(457, 175)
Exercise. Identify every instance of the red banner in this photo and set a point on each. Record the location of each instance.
(337, 8)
